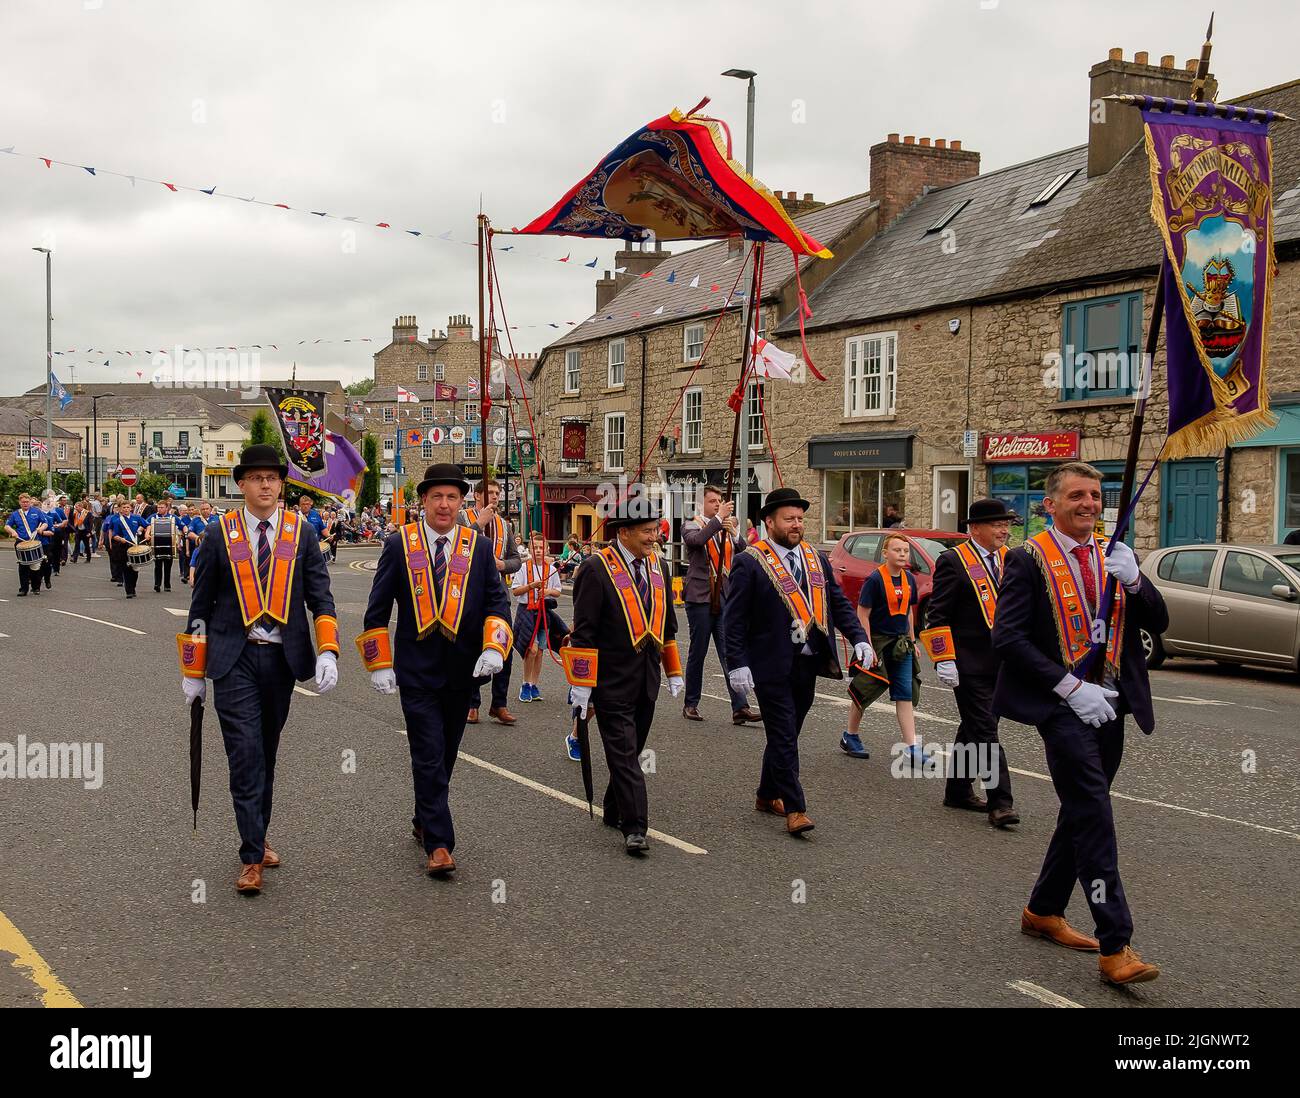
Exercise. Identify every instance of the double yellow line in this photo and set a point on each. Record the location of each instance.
(32, 965)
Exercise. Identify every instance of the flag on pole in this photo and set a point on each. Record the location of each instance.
(58, 392)
(405, 397)
(771, 361)
(38, 446)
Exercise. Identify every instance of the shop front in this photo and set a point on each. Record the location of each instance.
(569, 508)
(862, 477)
(1266, 472)
(188, 474)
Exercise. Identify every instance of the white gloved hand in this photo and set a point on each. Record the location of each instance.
(864, 654)
(1091, 703)
(1122, 564)
(946, 673)
(489, 663)
(327, 672)
(195, 689)
(675, 684)
(741, 679)
(579, 698)
(384, 681)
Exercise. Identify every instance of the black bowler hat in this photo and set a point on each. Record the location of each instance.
(628, 509)
(988, 510)
(781, 497)
(259, 456)
(443, 473)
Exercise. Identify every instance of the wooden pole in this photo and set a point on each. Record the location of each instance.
(483, 352)
(751, 305)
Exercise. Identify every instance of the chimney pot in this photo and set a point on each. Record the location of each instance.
(807, 196)
(1192, 62)
(940, 143)
(1167, 61)
(910, 139)
(1116, 53)
(956, 146)
(892, 139)
(925, 142)
(1140, 58)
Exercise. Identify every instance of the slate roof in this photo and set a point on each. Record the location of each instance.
(135, 401)
(13, 421)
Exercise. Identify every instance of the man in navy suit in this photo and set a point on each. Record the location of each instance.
(453, 631)
(1043, 632)
(259, 571)
(778, 626)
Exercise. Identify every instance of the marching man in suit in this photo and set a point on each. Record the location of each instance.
(959, 640)
(624, 630)
(500, 535)
(453, 632)
(778, 626)
(1043, 631)
(259, 572)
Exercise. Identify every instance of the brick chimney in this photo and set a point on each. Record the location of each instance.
(637, 260)
(404, 330)
(459, 329)
(903, 170)
(1113, 128)
(794, 205)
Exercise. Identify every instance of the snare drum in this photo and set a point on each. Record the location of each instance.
(162, 539)
(139, 556)
(32, 554)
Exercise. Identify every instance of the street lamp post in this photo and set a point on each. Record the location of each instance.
(94, 418)
(743, 517)
(30, 421)
(49, 375)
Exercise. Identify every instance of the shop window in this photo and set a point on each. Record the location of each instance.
(1290, 491)
(1101, 347)
(856, 500)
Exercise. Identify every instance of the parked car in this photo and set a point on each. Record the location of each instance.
(1231, 603)
(857, 554)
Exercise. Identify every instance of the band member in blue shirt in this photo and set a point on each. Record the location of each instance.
(124, 530)
(28, 524)
(307, 508)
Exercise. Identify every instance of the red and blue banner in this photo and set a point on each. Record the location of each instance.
(673, 179)
(1212, 198)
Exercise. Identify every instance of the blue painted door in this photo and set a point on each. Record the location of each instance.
(1190, 491)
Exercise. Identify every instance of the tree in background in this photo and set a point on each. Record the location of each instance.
(261, 431)
(360, 388)
(72, 485)
(370, 482)
(33, 483)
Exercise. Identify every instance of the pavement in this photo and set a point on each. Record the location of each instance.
(108, 897)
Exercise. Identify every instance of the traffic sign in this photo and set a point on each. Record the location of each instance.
(128, 477)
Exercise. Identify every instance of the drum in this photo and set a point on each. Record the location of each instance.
(32, 554)
(163, 531)
(139, 556)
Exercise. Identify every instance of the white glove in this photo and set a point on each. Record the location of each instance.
(1122, 564)
(384, 681)
(946, 673)
(675, 685)
(579, 697)
(489, 663)
(864, 654)
(195, 689)
(327, 672)
(741, 679)
(1091, 703)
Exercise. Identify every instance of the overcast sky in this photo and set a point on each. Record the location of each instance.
(409, 112)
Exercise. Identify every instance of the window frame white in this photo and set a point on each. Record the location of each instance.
(389, 446)
(426, 449)
(621, 344)
(62, 452)
(573, 370)
(23, 449)
(754, 415)
(856, 376)
(472, 410)
(422, 371)
(698, 422)
(390, 415)
(439, 371)
(471, 449)
(622, 449)
(426, 413)
(687, 342)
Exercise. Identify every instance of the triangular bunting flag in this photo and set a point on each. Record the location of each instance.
(695, 283)
(672, 277)
(91, 170)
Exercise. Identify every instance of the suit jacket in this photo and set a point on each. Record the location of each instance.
(696, 537)
(510, 556)
(623, 674)
(1024, 634)
(953, 603)
(436, 661)
(214, 605)
(756, 624)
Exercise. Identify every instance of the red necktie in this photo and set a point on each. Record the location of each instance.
(1084, 556)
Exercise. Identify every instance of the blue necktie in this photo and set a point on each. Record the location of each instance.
(796, 571)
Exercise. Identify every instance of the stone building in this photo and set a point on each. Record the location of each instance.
(18, 427)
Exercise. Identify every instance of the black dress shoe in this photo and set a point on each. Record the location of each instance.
(1003, 816)
(636, 844)
(970, 802)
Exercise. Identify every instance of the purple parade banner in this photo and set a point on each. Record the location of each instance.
(1211, 184)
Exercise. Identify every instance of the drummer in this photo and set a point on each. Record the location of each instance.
(161, 532)
(537, 626)
(28, 524)
(123, 531)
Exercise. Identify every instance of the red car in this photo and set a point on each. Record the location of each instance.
(857, 554)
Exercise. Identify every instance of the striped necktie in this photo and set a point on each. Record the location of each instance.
(993, 570)
(264, 569)
(642, 586)
(796, 570)
(440, 566)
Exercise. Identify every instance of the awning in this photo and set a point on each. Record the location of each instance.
(1286, 433)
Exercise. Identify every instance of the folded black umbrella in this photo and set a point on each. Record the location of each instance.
(584, 745)
(196, 757)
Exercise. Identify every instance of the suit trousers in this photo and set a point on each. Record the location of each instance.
(979, 729)
(785, 705)
(30, 577)
(1083, 762)
(703, 625)
(252, 702)
(624, 728)
(500, 685)
(162, 573)
(125, 573)
(435, 723)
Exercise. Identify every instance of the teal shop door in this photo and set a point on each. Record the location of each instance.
(1190, 493)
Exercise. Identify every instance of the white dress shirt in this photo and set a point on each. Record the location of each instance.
(259, 632)
(1066, 686)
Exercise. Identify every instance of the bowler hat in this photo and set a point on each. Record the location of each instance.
(259, 456)
(781, 497)
(988, 510)
(629, 508)
(443, 473)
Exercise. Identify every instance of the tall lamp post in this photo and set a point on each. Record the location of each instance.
(94, 418)
(743, 518)
(30, 421)
(49, 375)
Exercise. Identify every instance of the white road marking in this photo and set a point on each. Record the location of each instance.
(99, 621)
(176, 613)
(1042, 994)
(309, 693)
(1187, 699)
(5, 635)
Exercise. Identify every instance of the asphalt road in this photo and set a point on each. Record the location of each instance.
(892, 900)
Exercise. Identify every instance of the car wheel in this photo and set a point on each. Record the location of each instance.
(1152, 649)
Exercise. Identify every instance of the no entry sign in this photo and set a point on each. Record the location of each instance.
(128, 477)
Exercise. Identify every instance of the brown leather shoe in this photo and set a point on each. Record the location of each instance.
(1126, 967)
(1004, 817)
(440, 863)
(502, 714)
(250, 879)
(740, 716)
(775, 806)
(473, 717)
(970, 802)
(691, 713)
(796, 823)
(270, 859)
(1055, 929)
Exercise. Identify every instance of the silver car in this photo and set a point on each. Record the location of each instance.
(1231, 603)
